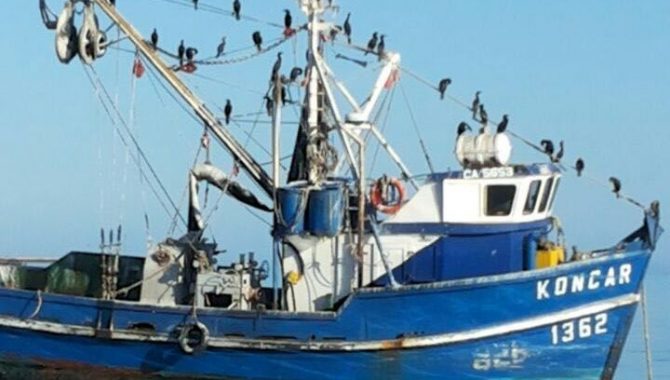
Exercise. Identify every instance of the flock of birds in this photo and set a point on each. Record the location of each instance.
(376, 45)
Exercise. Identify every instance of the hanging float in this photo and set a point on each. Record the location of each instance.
(66, 34)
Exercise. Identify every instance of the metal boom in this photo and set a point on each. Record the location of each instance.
(251, 166)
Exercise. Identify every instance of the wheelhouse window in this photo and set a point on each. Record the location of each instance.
(499, 199)
(553, 193)
(531, 200)
(545, 195)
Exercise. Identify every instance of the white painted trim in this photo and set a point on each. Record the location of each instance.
(379, 345)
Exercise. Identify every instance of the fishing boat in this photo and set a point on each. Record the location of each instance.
(459, 274)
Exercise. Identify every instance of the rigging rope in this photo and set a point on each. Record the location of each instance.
(416, 129)
(491, 123)
(217, 10)
(98, 86)
(273, 45)
(383, 128)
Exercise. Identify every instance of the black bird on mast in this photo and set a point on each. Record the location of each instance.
(579, 166)
(559, 154)
(483, 116)
(275, 68)
(237, 7)
(502, 126)
(372, 44)
(227, 111)
(190, 53)
(154, 39)
(295, 73)
(381, 48)
(475, 105)
(548, 147)
(221, 48)
(258, 40)
(616, 186)
(442, 86)
(269, 105)
(347, 28)
(180, 52)
(288, 20)
(462, 127)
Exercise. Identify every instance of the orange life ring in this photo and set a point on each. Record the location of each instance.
(378, 199)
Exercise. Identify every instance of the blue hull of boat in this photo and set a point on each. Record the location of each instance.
(566, 322)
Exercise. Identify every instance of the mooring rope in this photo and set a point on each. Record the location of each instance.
(645, 326)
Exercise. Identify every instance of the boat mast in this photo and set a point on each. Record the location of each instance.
(241, 156)
(314, 10)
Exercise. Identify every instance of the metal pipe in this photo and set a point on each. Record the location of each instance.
(361, 198)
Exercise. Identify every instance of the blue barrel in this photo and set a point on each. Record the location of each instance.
(292, 203)
(325, 209)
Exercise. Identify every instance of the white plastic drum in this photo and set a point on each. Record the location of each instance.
(465, 149)
(484, 148)
(502, 148)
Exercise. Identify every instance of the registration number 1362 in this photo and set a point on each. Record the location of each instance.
(581, 328)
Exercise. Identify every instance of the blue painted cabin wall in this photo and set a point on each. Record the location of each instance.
(466, 251)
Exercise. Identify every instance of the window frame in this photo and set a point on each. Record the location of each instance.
(509, 211)
(529, 210)
(548, 185)
(557, 182)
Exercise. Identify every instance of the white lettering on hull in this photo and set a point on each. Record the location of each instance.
(563, 285)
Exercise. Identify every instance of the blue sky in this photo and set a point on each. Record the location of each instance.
(592, 73)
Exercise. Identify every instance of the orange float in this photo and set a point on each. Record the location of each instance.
(378, 199)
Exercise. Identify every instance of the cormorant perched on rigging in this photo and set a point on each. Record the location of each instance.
(548, 146)
(237, 7)
(442, 86)
(559, 154)
(295, 73)
(221, 48)
(154, 39)
(288, 20)
(483, 116)
(334, 31)
(190, 53)
(227, 111)
(258, 40)
(381, 48)
(475, 105)
(269, 105)
(579, 166)
(180, 52)
(195, 4)
(462, 127)
(347, 28)
(284, 95)
(372, 44)
(502, 126)
(616, 186)
(275, 68)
